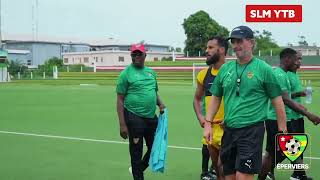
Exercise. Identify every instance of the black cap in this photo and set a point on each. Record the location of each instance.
(241, 32)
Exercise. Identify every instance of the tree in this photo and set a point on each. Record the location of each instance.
(16, 66)
(48, 65)
(171, 49)
(265, 43)
(302, 41)
(178, 49)
(199, 27)
(54, 61)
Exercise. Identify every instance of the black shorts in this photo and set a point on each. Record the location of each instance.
(297, 125)
(241, 149)
(272, 131)
(139, 126)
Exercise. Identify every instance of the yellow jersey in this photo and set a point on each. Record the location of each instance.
(201, 78)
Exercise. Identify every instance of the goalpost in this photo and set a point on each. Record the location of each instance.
(197, 67)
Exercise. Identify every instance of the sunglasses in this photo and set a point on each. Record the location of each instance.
(137, 54)
(239, 40)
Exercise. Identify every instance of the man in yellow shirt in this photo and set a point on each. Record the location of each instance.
(217, 48)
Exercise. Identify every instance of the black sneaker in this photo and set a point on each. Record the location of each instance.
(213, 173)
(297, 177)
(206, 176)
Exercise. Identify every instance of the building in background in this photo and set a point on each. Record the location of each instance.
(110, 57)
(126, 47)
(104, 52)
(23, 56)
(37, 52)
(307, 50)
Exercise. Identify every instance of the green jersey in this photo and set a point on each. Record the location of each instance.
(139, 86)
(296, 86)
(257, 85)
(284, 83)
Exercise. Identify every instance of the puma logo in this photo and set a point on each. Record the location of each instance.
(249, 166)
(248, 163)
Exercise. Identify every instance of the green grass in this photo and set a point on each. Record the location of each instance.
(274, 60)
(89, 112)
(110, 78)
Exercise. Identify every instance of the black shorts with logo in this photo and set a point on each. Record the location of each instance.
(241, 149)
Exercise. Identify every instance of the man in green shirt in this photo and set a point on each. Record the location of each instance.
(288, 62)
(216, 51)
(137, 98)
(297, 122)
(246, 84)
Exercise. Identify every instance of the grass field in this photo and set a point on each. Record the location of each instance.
(110, 78)
(89, 145)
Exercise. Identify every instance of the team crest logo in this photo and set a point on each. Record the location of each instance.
(292, 145)
(250, 75)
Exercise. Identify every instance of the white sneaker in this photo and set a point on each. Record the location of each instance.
(130, 170)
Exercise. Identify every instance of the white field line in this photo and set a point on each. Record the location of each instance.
(102, 141)
(84, 139)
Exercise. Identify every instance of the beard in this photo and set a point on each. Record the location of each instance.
(137, 64)
(294, 67)
(213, 59)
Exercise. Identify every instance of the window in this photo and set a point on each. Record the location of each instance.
(85, 59)
(101, 59)
(155, 59)
(29, 62)
(65, 60)
(121, 59)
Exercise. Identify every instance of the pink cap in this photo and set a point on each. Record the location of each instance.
(137, 47)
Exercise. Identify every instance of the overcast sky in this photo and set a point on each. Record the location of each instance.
(155, 21)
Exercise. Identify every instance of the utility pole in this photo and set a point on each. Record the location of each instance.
(37, 19)
(0, 24)
(33, 22)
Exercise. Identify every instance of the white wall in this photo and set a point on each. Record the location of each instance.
(109, 58)
(308, 52)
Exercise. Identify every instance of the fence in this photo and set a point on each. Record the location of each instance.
(51, 73)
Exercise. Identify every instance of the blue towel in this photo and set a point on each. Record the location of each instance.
(159, 149)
